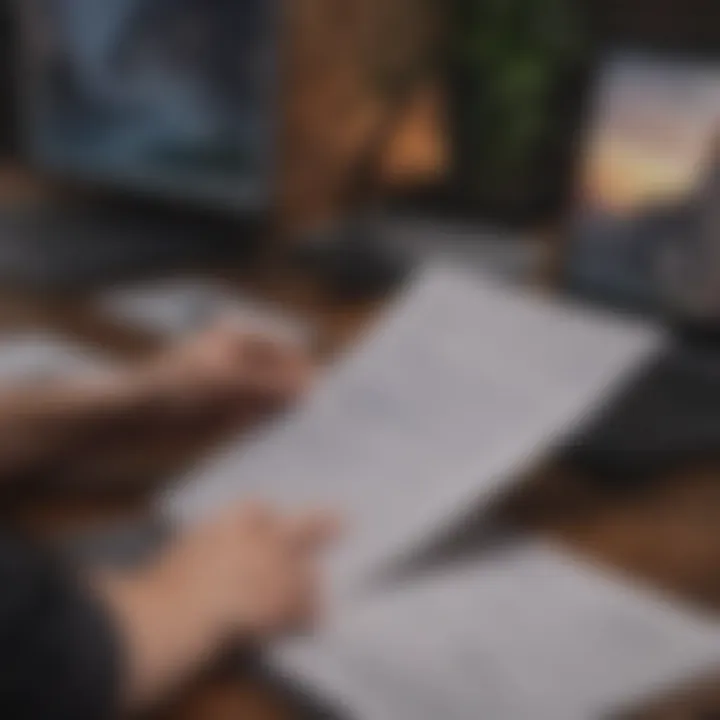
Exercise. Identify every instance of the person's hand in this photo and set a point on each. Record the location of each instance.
(251, 573)
(229, 367)
(245, 577)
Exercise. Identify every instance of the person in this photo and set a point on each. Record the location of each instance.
(87, 644)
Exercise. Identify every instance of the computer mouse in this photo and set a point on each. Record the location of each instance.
(354, 261)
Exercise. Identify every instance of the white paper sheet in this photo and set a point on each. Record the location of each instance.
(37, 356)
(527, 633)
(453, 394)
(178, 307)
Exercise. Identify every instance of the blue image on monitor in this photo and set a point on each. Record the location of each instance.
(169, 96)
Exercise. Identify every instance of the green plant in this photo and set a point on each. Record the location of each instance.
(507, 59)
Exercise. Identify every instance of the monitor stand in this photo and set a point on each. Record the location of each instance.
(79, 245)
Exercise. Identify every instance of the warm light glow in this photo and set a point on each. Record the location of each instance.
(654, 131)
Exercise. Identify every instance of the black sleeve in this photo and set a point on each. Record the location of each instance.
(58, 651)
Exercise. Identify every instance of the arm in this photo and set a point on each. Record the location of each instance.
(238, 580)
(224, 371)
(87, 650)
(41, 427)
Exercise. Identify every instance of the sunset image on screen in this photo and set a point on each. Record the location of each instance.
(649, 188)
(652, 137)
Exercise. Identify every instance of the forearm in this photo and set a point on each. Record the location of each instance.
(166, 637)
(42, 426)
(224, 377)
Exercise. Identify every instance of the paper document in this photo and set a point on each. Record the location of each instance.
(174, 308)
(451, 396)
(526, 633)
(36, 356)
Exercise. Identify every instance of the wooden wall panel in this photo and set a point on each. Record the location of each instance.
(333, 101)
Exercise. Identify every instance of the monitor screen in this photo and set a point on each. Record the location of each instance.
(172, 97)
(645, 228)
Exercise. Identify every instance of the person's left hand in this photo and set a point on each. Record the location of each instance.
(231, 369)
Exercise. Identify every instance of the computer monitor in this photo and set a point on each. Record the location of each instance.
(173, 98)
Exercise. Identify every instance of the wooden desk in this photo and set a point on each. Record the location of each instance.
(668, 535)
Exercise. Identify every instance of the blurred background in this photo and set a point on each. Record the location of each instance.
(297, 116)
(266, 126)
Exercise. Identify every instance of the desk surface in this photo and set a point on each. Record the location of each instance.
(668, 534)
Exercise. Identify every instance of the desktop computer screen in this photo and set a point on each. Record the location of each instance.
(169, 97)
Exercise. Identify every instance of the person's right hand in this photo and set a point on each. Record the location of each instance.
(251, 573)
(244, 577)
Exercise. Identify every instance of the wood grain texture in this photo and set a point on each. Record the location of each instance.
(337, 60)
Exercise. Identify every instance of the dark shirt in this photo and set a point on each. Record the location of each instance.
(58, 650)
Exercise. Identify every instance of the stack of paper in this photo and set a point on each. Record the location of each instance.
(528, 633)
